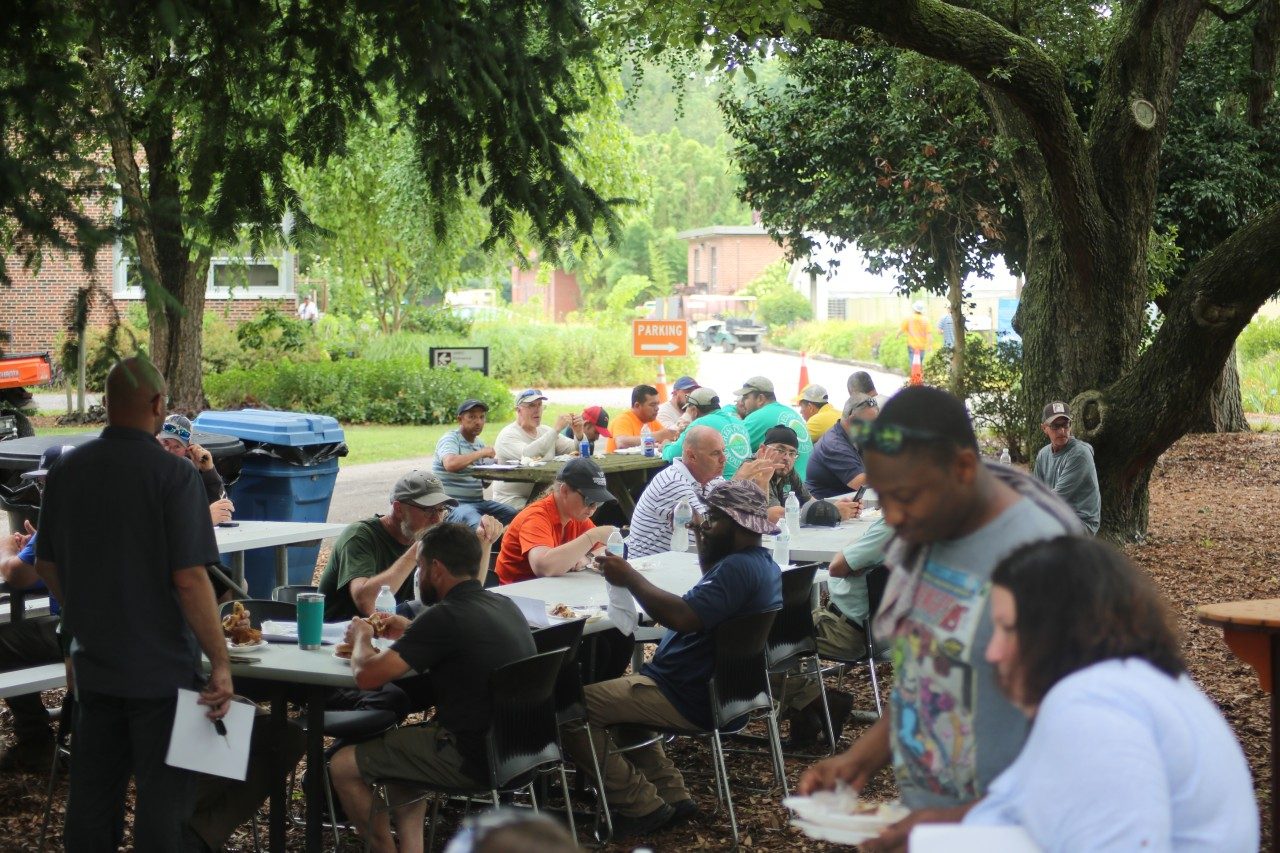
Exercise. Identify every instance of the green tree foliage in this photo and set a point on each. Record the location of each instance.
(778, 303)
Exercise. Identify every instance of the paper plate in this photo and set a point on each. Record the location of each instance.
(835, 811)
(247, 647)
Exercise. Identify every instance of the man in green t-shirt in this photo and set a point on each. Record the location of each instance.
(763, 412)
(382, 550)
(704, 407)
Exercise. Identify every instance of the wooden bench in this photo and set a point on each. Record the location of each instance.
(35, 679)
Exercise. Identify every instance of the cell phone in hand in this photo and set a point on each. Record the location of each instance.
(228, 524)
(857, 496)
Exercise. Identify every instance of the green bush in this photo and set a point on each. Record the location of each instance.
(1260, 384)
(783, 308)
(105, 346)
(391, 391)
(841, 339)
(1259, 338)
(542, 355)
(993, 379)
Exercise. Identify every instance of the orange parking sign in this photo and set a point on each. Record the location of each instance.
(659, 338)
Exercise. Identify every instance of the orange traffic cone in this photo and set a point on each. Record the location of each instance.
(662, 381)
(804, 374)
(917, 369)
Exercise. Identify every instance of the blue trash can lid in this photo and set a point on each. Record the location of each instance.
(289, 429)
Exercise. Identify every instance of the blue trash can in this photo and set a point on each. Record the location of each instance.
(287, 474)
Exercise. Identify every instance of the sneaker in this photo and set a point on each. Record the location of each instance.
(625, 826)
(683, 811)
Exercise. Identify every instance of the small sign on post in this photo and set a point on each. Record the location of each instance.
(470, 358)
(659, 338)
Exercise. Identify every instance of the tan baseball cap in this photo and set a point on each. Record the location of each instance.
(813, 394)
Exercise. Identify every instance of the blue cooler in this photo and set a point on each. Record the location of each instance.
(287, 474)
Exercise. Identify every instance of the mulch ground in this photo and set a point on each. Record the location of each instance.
(1214, 536)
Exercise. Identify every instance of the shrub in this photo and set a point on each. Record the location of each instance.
(105, 346)
(993, 378)
(1259, 338)
(842, 339)
(391, 391)
(1260, 384)
(783, 308)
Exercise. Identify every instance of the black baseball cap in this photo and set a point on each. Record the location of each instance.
(586, 477)
(468, 405)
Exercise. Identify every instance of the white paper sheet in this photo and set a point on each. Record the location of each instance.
(622, 609)
(196, 745)
(534, 610)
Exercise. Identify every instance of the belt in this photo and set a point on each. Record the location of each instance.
(831, 605)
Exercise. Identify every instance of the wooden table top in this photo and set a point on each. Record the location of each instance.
(1260, 614)
(610, 463)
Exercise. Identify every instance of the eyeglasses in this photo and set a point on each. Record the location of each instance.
(1059, 427)
(176, 431)
(889, 438)
(866, 404)
(786, 451)
(438, 509)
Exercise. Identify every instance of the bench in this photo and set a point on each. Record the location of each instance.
(35, 679)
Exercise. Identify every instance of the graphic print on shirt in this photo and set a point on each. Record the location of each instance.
(934, 697)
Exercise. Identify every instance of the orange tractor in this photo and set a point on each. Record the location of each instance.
(16, 372)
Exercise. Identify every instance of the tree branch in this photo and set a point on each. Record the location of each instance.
(1230, 17)
(1012, 65)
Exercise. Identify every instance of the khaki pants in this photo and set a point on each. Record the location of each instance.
(837, 636)
(637, 782)
(793, 693)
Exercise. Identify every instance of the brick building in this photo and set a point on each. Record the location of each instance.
(33, 310)
(726, 258)
(559, 295)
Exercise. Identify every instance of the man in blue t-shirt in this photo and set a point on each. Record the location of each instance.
(738, 577)
(836, 467)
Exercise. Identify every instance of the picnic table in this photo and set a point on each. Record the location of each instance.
(622, 473)
(1252, 632)
(248, 535)
(820, 544)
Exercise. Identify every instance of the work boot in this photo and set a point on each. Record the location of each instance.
(625, 826)
(807, 725)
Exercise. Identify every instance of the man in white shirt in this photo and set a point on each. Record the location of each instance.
(529, 436)
(671, 414)
(307, 310)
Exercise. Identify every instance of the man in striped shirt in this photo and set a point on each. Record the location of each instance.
(458, 449)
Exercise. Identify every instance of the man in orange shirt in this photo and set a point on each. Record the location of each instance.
(554, 535)
(644, 410)
(919, 333)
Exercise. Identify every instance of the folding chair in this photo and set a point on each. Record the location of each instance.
(290, 593)
(876, 579)
(522, 739)
(61, 751)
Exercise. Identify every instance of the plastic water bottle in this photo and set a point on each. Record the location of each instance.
(679, 533)
(616, 545)
(791, 506)
(584, 448)
(782, 546)
(646, 440)
(385, 603)
(1004, 456)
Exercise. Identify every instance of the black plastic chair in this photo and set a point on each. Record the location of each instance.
(61, 752)
(290, 593)
(263, 610)
(522, 739)
(739, 687)
(793, 645)
(877, 577)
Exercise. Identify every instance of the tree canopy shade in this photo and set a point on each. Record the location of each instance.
(1089, 184)
(199, 105)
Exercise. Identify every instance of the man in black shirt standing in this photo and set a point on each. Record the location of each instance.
(457, 643)
(124, 540)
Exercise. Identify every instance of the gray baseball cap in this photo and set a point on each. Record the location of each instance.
(421, 490)
(755, 385)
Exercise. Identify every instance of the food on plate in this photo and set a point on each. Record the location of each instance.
(378, 621)
(236, 627)
(343, 650)
(562, 611)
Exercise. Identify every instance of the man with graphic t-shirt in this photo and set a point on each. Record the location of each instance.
(948, 730)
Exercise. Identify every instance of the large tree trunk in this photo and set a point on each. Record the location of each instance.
(955, 305)
(1224, 411)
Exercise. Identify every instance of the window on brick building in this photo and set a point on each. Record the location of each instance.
(837, 309)
(711, 272)
(697, 266)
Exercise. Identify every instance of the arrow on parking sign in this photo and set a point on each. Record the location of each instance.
(667, 347)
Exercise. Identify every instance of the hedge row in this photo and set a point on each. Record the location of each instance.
(842, 339)
(391, 391)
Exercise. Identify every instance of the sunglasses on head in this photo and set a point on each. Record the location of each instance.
(176, 431)
(890, 438)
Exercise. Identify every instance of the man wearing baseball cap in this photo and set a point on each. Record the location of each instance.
(764, 412)
(528, 436)
(458, 449)
(818, 413)
(1066, 465)
(383, 549)
(30, 641)
(554, 535)
(671, 414)
(175, 435)
(595, 425)
(704, 409)
(738, 577)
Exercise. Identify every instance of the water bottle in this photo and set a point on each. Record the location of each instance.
(1004, 456)
(646, 440)
(616, 545)
(679, 533)
(385, 603)
(791, 506)
(584, 448)
(782, 546)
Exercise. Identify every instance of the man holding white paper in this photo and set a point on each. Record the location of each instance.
(124, 540)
